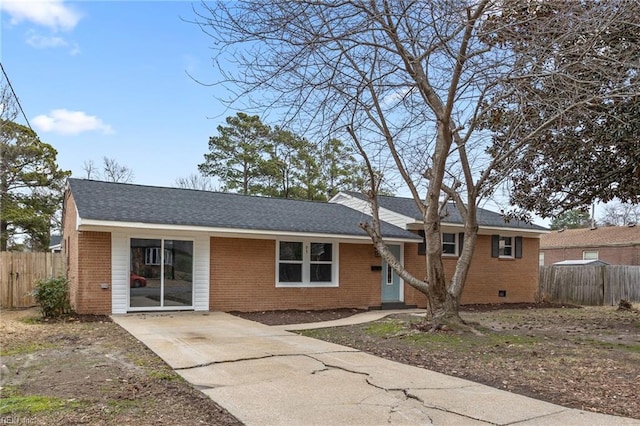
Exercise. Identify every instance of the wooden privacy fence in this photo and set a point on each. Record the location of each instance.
(19, 272)
(590, 285)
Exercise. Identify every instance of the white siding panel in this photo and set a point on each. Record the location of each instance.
(119, 272)
(363, 206)
(393, 218)
(353, 203)
(201, 273)
(120, 242)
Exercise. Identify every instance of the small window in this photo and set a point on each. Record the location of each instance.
(449, 245)
(505, 247)
(290, 267)
(307, 263)
(589, 255)
(320, 262)
(541, 259)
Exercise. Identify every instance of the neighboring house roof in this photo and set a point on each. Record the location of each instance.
(586, 237)
(407, 207)
(98, 201)
(54, 241)
(581, 262)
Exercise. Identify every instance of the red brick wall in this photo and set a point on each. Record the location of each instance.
(629, 255)
(416, 265)
(88, 256)
(94, 268)
(487, 275)
(243, 278)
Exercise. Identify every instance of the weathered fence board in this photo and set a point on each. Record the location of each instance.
(590, 285)
(20, 271)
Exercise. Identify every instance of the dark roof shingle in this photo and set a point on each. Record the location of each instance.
(121, 202)
(407, 207)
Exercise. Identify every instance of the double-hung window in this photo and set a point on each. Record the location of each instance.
(504, 247)
(449, 246)
(307, 263)
(451, 243)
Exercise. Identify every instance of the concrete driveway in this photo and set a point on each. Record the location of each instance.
(268, 376)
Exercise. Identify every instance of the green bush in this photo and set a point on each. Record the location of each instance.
(52, 294)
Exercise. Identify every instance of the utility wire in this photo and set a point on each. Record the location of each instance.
(15, 97)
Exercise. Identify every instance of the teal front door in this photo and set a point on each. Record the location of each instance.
(390, 280)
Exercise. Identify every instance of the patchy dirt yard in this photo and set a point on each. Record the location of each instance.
(586, 358)
(88, 370)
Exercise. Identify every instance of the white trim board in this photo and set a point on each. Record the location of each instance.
(104, 225)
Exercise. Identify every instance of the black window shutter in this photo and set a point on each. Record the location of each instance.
(519, 247)
(422, 247)
(495, 246)
(460, 242)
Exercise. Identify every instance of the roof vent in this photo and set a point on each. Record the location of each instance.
(593, 228)
(632, 224)
(562, 229)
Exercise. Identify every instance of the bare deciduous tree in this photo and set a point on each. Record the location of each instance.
(621, 214)
(89, 167)
(194, 181)
(112, 171)
(435, 90)
(115, 172)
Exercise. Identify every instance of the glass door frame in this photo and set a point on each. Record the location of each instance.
(162, 306)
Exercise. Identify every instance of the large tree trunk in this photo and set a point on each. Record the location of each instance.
(443, 305)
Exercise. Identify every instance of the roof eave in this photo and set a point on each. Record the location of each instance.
(483, 229)
(97, 225)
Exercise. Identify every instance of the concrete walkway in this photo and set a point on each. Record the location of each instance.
(360, 318)
(268, 376)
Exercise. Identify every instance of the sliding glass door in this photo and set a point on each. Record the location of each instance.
(161, 274)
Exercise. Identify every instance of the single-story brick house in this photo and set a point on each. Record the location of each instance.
(142, 248)
(504, 268)
(615, 245)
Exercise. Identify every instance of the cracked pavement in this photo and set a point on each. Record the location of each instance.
(266, 375)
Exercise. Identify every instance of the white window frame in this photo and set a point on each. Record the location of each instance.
(307, 262)
(502, 245)
(455, 244)
(585, 257)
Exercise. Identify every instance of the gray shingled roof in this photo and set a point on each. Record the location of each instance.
(120, 202)
(407, 207)
(55, 240)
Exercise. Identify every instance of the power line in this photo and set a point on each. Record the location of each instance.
(15, 96)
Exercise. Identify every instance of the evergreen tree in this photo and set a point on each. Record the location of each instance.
(31, 186)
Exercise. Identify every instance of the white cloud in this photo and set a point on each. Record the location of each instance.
(39, 41)
(43, 42)
(53, 14)
(67, 122)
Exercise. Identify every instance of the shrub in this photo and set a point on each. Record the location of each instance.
(52, 294)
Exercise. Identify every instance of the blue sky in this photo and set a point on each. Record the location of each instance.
(110, 79)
